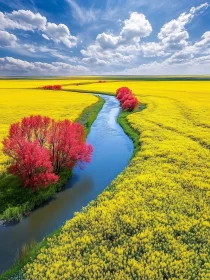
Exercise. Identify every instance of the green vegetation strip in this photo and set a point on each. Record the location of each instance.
(16, 201)
(90, 113)
(89, 91)
(130, 131)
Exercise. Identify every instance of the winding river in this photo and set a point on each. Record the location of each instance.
(112, 152)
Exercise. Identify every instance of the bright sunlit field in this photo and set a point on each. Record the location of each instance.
(16, 103)
(154, 218)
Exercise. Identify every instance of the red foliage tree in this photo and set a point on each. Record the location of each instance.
(52, 87)
(122, 91)
(40, 147)
(125, 97)
(128, 101)
(67, 145)
(130, 104)
(30, 162)
(34, 128)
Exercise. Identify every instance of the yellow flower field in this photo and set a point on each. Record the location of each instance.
(18, 103)
(153, 222)
(34, 83)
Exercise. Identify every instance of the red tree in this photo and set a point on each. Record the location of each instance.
(130, 104)
(122, 91)
(40, 147)
(67, 145)
(30, 162)
(52, 87)
(127, 99)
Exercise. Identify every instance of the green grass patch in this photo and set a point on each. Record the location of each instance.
(129, 130)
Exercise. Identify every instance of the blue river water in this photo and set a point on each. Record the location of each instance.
(112, 152)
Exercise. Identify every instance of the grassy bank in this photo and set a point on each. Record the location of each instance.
(90, 113)
(88, 91)
(16, 202)
(128, 129)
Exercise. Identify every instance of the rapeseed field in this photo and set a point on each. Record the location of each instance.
(16, 103)
(153, 221)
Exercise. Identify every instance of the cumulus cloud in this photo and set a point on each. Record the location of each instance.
(28, 21)
(13, 66)
(174, 38)
(60, 34)
(7, 39)
(204, 43)
(181, 56)
(111, 57)
(137, 26)
(22, 19)
(134, 28)
(152, 49)
(95, 61)
(173, 35)
(121, 48)
(194, 66)
(108, 41)
(125, 47)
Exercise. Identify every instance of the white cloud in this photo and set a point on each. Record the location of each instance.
(134, 28)
(111, 57)
(108, 41)
(174, 38)
(60, 34)
(137, 26)
(194, 66)
(201, 8)
(28, 21)
(42, 51)
(95, 61)
(22, 19)
(121, 48)
(181, 57)
(45, 37)
(189, 52)
(204, 43)
(12, 66)
(173, 35)
(152, 49)
(7, 39)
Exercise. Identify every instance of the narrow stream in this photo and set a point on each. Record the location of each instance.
(112, 152)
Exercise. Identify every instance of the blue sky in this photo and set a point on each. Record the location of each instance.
(84, 37)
